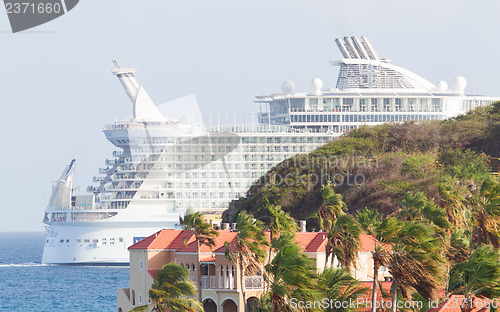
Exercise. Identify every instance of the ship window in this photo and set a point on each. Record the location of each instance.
(61, 241)
(86, 240)
(67, 241)
(95, 240)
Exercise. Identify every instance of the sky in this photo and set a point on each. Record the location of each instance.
(57, 90)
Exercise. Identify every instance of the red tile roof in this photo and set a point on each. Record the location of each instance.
(184, 241)
(383, 289)
(224, 236)
(152, 273)
(164, 239)
(369, 242)
(312, 241)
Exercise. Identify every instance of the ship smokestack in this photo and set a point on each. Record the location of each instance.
(360, 48)
(350, 48)
(370, 49)
(342, 48)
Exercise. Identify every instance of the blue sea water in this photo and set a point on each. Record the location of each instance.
(28, 285)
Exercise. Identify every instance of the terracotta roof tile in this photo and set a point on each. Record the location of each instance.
(152, 273)
(184, 241)
(224, 236)
(164, 239)
(368, 243)
(383, 287)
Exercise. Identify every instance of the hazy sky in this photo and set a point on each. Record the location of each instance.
(57, 90)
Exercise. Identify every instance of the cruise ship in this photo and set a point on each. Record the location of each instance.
(164, 166)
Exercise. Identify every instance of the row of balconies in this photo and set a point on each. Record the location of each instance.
(251, 282)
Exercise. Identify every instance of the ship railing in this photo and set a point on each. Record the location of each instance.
(253, 128)
(112, 162)
(95, 189)
(105, 170)
(118, 153)
(123, 125)
(101, 179)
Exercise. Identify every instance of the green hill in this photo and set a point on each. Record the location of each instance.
(375, 166)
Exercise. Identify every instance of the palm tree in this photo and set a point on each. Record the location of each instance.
(416, 258)
(453, 202)
(279, 222)
(247, 250)
(486, 216)
(332, 206)
(417, 207)
(343, 240)
(339, 285)
(171, 291)
(380, 258)
(478, 277)
(204, 234)
(369, 220)
(292, 274)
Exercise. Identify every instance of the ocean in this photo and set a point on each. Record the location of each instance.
(27, 285)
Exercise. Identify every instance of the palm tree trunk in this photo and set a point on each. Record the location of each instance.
(199, 269)
(394, 294)
(375, 284)
(326, 257)
(242, 282)
(269, 258)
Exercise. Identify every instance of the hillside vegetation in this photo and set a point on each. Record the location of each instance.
(376, 167)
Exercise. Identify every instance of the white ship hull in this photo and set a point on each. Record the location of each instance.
(107, 242)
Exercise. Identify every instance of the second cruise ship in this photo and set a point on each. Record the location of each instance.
(163, 166)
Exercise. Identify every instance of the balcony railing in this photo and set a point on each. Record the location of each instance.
(253, 282)
(205, 280)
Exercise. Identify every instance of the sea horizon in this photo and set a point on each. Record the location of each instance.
(30, 285)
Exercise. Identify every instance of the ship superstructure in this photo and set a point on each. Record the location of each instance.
(369, 91)
(163, 166)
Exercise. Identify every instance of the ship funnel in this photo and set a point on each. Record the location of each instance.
(359, 47)
(350, 48)
(369, 48)
(356, 48)
(342, 48)
(144, 108)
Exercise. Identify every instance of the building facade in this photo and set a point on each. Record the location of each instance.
(221, 286)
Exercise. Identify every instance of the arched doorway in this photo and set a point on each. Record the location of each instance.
(253, 304)
(229, 306)
(120, 310)
(209, 305)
